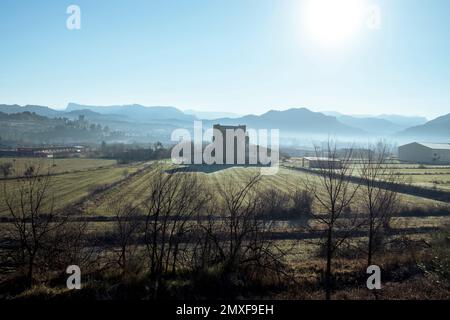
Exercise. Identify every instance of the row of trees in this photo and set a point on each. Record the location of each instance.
(178, 224)
(173, 226)
(186, 228)
(369, 186)
(126, 153)
(36, 237)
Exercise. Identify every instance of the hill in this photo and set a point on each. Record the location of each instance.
(40, 110)
(437, 130)
(294, 121)
(371, 125)
(210, 115)
(27, 128)
(297, 125)
(378, 124)
(135, 112)
(404, 121)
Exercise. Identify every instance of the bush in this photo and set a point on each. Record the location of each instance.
(440, 264)
(273, 203)
(302, 203)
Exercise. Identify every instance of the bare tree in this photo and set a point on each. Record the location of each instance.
(172, 201)
(6, 169)
(379, 195)
(29, 203)
(240, 239)
(128, 227)
(68, 244)
(238, 219)
(302, 206)
(333, 191)
(273, 203)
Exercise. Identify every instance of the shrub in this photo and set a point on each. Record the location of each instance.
(302, 203)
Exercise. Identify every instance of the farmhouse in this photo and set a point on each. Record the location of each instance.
(430, 153)
(321, 162)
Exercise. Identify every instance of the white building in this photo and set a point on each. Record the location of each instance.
(430, 153)
(321, 163)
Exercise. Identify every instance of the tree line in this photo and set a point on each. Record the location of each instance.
(234, 245)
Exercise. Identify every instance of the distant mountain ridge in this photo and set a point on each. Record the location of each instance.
(405, 121)
(210, 115)
(136, 112)
(300, 120)
(437, 130)
(371, 125)
(386, 124)
(40, 110)
(141, 121)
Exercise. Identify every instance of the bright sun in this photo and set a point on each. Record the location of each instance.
(332, 22)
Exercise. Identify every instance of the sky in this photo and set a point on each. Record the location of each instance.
(242, 56)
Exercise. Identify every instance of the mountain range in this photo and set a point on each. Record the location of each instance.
(136, 112)
(381, 124)
(437, 130)
(210, 115)
(293, 121)
(299, 123)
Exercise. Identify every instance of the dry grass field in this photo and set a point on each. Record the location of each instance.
(58, 166)
(75, 179)
(91, 185)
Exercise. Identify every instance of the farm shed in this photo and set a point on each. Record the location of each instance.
(429, 153)
(321, 162)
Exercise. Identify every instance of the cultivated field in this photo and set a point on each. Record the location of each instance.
(433, 177)
(89, 185)
(57, 166)
(97, 181)
(74, 179)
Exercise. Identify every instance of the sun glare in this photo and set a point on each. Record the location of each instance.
(332, 22)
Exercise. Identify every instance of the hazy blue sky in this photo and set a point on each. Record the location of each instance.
(245, 56)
